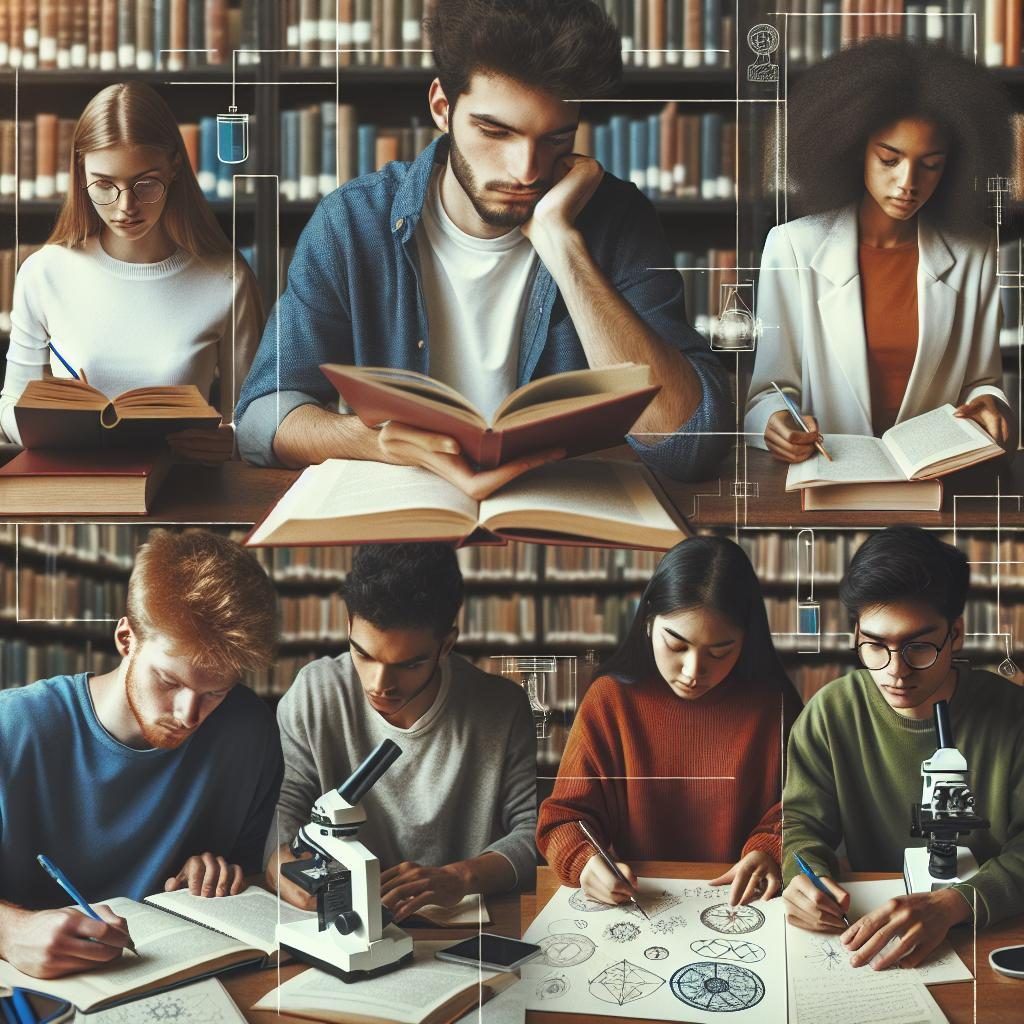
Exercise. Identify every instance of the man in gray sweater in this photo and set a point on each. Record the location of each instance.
(456, 814)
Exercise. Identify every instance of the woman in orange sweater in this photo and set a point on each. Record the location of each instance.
(677, 749)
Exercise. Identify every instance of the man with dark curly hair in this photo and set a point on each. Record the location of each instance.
(497, 257)
(455, 815)
(881, 303)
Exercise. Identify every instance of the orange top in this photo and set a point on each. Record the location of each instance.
(889, 295)
(657, 777)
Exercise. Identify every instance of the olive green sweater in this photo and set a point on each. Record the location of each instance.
(855, 768)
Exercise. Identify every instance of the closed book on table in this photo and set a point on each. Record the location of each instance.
(82, 483)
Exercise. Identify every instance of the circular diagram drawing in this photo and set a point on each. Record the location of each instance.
(553, 986)
(621, 931)
(717, 988)
(567, 926)
(729, 949)
(732, 920)
(579, 900)
(566, 950)
(623, 982)
(656, 953)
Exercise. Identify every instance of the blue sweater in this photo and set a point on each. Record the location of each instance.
(354, 297)
(121, 821)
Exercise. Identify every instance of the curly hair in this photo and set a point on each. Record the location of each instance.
(405, 586)
(837, 105)
(569, 48)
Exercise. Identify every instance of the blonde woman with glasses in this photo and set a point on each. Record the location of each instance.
(137, 285)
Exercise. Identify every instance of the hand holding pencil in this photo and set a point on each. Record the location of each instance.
(793, 436)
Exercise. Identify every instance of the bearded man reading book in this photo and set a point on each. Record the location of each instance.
(159, 775)
(497, 257)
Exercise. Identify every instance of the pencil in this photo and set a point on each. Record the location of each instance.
(795, 413)
(611, 865)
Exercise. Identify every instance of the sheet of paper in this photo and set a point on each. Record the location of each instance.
(855, 459)
(695, 958)
(205, 1002)
(816, 955)
(408, 994)
(251, 916)
(892, 997)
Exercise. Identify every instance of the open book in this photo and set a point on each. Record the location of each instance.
(180, 938)
(343, 501)
(67, 413)
(426, 991)
(897, 470)
(581, 411)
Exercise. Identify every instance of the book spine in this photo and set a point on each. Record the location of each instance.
(30, 34)
(1014, 16)
(603, 145)
(79, 55)
(8, 172)
(46, 156)
(49, 19)
(391, 28)
(16, 30)
(640, 35)
(412, 32)
(26, 160)
(65, 133)
(710, 153)
(712, 31)
(190, 136)
(328, 148)
(638, 153)
(207, 175)
(429, 9)
(727, 161)
(692, 34)
(5, 32)
(629, 40)
(656, 32)
(348, 164)
(667, 149)
(309, 140)
(934, 31)
(65, 22)
(366, 135)
(619, 125)
(144, 35)
(362, 31)
(652, 184)
(178, 32)
(125, 33)
(216, 23)
(309, 33)
(673, 32)
(346, 12)
(195, 33)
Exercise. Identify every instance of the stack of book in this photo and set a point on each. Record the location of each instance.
(139, 34)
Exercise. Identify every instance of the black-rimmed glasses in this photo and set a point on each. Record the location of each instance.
(146, 190)
(916, 654)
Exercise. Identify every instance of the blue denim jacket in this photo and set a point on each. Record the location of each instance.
(354, 297)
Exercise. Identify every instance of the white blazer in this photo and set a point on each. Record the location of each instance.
(812, 340)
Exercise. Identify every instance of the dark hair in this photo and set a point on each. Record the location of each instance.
(405, 586)
(906, 563)
(837, 105)
(701, 572)
(569, 48)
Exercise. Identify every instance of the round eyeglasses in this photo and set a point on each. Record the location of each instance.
(916, 654)
(146, 190)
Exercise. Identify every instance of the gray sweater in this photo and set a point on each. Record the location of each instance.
(465, 784)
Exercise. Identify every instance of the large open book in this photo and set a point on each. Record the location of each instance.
(180, 938)
(426, 991)
(581, 411)
(67, 413)
(343, 501)
(897, 471)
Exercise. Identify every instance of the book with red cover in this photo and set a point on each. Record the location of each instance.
(581, 411)
(120, 482)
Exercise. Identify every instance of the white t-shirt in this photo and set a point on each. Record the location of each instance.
(476, 290)
(130, 325)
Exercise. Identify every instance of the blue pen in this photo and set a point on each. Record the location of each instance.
(64, 362)
(65, 883)
(795, 413)
(22, 1008)
(818, 884)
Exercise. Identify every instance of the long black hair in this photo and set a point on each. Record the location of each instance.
(837, 105)
(702, 572)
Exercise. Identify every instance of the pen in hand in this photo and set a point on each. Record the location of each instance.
(65, 883)
(818, 884)
(612, 866)
(795, 413)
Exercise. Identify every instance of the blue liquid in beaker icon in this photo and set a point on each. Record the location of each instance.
(232, 137)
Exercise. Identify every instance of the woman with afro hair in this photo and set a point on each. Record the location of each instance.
(880, 303)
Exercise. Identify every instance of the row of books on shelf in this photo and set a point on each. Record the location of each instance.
(23, 662)
(139, 35)
(58, 595)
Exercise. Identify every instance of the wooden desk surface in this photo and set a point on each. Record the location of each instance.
(998, 998)
(762, 479)
(246, 987)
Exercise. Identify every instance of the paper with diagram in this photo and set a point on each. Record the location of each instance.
(695, 958)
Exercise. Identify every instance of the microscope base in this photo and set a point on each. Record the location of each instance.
(919, 879)
(345, 956)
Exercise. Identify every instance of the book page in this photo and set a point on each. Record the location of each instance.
(407, 994)
(855, 459)
(607, 380)
(205, 1002)
(470, 911)
(891, 997)
(251, 916)
(933, 437)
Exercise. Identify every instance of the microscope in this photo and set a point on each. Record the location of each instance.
(945, 813)
(352, 936)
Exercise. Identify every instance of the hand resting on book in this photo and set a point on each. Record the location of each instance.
(990, 414)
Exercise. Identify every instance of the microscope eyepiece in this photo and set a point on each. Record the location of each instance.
(365, 777)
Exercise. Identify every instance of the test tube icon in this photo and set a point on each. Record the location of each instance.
(232, 137)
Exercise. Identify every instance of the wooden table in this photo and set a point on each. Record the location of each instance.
(999, 999)
(750, 490)
(246, 986)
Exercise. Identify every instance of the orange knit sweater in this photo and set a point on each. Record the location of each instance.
(629, 771)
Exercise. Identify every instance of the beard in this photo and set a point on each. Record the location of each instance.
(503, 215)
(163, 733)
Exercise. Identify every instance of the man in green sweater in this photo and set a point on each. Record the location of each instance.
(855, 756)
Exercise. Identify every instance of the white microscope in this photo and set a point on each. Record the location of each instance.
(945, 813)
(352, 936)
